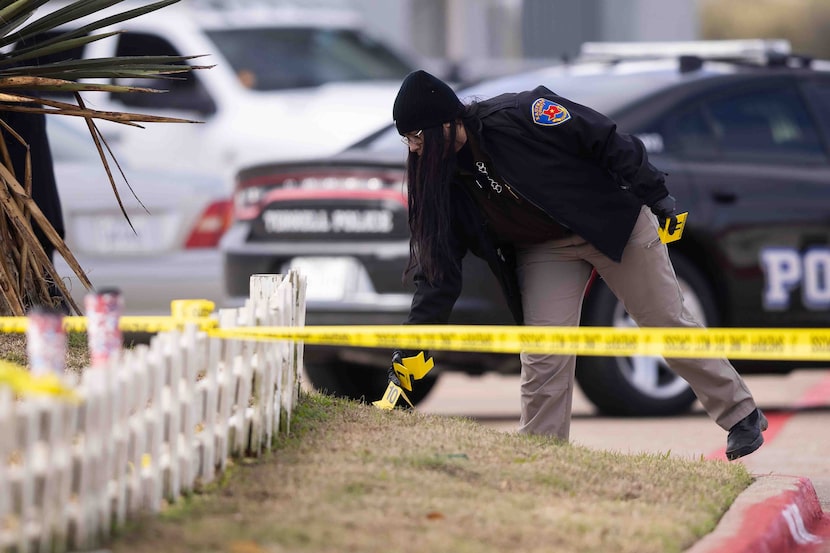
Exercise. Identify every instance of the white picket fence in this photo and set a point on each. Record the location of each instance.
(158, 421)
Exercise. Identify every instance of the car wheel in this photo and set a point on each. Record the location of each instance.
(640, 386)
(361, 382)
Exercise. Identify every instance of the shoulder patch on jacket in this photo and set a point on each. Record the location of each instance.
(548, 113)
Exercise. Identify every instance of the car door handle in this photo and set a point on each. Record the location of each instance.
(725, 197)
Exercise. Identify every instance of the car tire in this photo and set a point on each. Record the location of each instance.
(640, 386)
(361, 382)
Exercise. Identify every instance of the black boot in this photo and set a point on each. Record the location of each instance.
(745, 437)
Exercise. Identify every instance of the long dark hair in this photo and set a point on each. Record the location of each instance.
(429, 177)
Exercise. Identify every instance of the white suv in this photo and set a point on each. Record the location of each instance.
(285, 84)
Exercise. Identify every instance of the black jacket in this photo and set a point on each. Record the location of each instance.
(565, 158)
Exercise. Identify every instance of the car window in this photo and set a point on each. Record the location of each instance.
(689, 134)
(771, 124)
(819, 93)
(277, 59)
(184, 91)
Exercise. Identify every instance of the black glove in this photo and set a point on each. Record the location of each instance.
(397, 357)
(665, 210)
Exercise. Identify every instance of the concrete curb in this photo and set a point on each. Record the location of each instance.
(776, 514)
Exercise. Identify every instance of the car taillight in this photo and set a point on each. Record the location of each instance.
(254, 189)
(210, 227)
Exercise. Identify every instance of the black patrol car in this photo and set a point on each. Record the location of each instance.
(744, 137)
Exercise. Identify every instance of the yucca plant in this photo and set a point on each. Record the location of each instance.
(26, 272)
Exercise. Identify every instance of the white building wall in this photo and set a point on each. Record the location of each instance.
(388, 19)
(496, 36)
(649, 20)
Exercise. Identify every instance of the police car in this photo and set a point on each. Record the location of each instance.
(741, 128)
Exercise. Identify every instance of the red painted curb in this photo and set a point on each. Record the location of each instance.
(790, 522)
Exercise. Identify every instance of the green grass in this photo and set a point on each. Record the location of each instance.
(354, 478)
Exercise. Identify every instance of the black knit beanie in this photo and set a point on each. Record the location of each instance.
(424, 101)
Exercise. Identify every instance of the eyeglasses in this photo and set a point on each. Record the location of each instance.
(411, 137)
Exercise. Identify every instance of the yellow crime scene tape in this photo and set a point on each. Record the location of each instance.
(183, 312)
(21, 381)
(126, 324)
(797, 344)
(790, 344)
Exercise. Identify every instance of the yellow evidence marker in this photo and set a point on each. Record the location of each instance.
(673, 229)
(390, 398)
(410, 368)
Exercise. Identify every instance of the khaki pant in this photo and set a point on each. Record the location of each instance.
(553, 276)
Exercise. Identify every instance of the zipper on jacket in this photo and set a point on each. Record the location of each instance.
(509, 189)
(521, 196)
